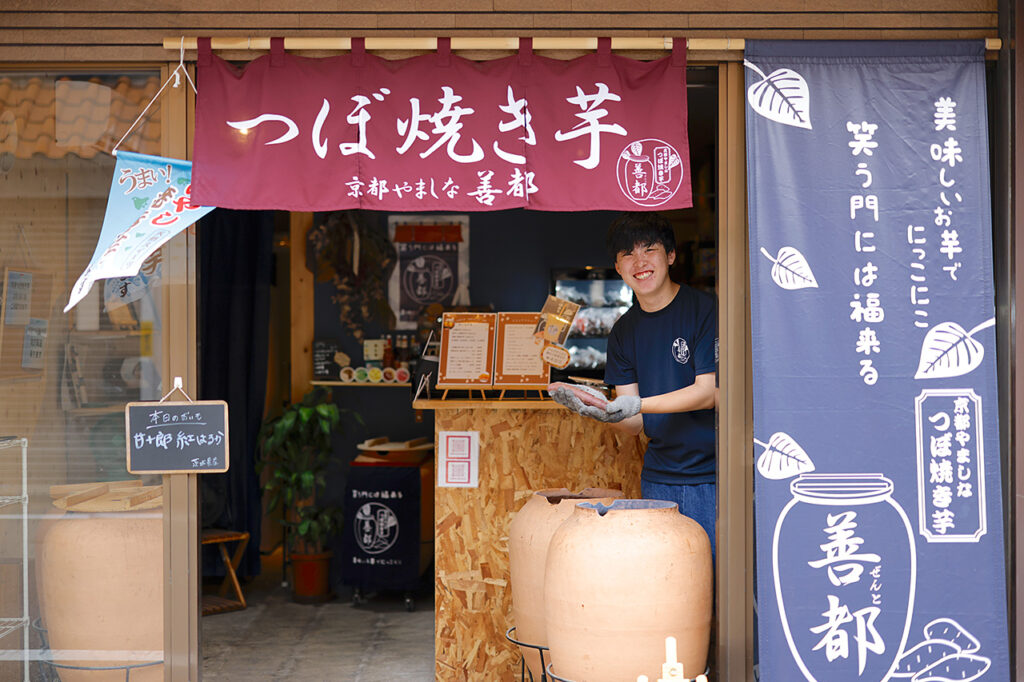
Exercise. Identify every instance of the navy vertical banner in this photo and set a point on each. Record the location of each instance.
(381, 541)
(877, 485)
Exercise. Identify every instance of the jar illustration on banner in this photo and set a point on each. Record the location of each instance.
(649, 171)
(845, 570)
(637, 173)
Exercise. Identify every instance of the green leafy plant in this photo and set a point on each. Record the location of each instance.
(296, 447)
(311, 526)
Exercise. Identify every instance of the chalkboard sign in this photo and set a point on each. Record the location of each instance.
(177, 437)
(324, 365)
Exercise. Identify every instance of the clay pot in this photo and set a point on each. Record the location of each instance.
(101, 585)
(619, 580)
(528, 537)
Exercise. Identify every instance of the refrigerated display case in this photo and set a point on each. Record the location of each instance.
(603, 298)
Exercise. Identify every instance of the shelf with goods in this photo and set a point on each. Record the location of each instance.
(363, 384)
(603, 298)
(103, 369)
(8, 623)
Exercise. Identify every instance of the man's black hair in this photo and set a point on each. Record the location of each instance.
(639, 227)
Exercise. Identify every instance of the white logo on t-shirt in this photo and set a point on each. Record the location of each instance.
(680, 351)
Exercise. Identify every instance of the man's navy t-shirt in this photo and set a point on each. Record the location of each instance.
(662, 352)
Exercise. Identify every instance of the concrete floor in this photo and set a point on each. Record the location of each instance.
(277, 639)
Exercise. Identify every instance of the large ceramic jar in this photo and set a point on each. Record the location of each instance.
(845, 569)
(528, 537)
(620, 579)
(101, 579)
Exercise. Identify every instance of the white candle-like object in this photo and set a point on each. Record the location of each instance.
(671, 669)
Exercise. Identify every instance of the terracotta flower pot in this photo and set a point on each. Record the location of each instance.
(529, 534)
(101, 584)
(619, 580)
(310, 578)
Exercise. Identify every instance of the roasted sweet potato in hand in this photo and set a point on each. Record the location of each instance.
(587, 395)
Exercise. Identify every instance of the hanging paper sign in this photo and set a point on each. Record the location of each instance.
(149, 203)
(18, 298)
(32, 346)
(879, 515)
(438, 132)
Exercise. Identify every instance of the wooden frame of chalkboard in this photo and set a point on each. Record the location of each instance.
(177, 437)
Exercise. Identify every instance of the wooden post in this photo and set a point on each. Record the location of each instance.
(181, 504)
(734, 591)
(301, 294)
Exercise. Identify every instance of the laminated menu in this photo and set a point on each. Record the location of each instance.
(518, 360)
(467, 350)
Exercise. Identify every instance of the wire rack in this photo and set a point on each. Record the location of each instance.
(48, 668)
(524, 671)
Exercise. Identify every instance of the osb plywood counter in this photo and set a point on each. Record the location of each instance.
(524, 446)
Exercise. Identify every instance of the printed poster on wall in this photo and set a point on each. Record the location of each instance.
(438, 132)
(877, 463)
(458, 459)
(433, 264)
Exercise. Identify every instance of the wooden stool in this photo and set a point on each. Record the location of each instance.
(220, 603)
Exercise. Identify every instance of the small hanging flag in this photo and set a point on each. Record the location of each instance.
(149, 203)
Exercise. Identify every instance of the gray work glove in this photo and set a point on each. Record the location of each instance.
(563, 395)
(623, 407)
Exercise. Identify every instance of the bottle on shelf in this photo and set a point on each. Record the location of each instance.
(406, 349)
(389, 353)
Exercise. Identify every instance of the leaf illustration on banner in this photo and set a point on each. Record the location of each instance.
(790, 269)
(782, 97)
(782, 458)
(949, 351)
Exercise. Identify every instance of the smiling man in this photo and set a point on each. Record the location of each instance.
(661, 360)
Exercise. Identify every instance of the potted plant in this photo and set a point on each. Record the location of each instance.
(296, 447)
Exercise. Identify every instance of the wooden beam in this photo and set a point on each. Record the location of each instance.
(695, 46)
(301, 296)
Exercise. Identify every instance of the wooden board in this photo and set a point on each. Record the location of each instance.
(73, 30)
(382, 444)
(520, 451)
(63, 490)
(101, 498)
(381, 449)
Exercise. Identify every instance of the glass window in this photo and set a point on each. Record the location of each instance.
(80, 539)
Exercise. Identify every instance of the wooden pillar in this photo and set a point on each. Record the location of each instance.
(182, 594)
(735, 567)
(301, 295)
